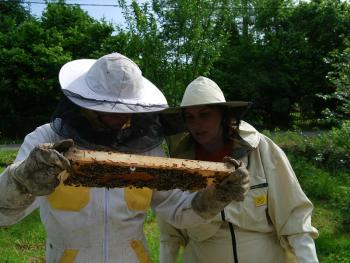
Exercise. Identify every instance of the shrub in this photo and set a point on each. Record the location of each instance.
(335, 250)
(324, 186)
(316, 182)
(330, 150)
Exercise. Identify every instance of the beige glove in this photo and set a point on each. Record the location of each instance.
(215, 198)
(37, 174)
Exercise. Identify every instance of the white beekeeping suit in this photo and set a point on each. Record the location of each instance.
(95, 224)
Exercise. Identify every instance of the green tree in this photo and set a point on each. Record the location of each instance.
(144, 44)
(81, 34)
(28, 68)
(181, 39)
(31, 54)
(339, 77)
(276, 58)
(12, 13)
(319, 28)
(252, 66)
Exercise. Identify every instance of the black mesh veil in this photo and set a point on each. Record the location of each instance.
(144, 132)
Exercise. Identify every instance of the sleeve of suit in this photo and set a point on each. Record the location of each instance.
(303, 247)
(15, 204)
(289, 208)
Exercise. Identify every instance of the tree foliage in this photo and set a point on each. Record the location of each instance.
(277, 53)
(279, 62)
(12, 14)
(179, 40)
(340, 78)
(31, 54)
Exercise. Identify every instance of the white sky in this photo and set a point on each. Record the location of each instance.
(110, 13)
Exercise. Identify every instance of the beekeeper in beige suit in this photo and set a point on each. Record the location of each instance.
(273, 223)
(108, 104)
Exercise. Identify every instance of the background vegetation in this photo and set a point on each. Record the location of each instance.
(291, 59)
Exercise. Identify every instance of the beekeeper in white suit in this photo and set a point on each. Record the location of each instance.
(108, 104)
(273, 223)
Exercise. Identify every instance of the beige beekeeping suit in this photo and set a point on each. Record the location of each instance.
(272, 224)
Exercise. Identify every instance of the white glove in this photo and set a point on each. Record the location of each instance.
(37, 174)
(210, 201)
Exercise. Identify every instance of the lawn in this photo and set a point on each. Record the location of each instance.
(24, 242)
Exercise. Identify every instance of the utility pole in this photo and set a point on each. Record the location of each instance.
(245, 15)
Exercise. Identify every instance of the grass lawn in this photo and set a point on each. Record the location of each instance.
(24, 242)
(333, 244)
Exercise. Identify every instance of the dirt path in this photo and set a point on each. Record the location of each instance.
(9, 147)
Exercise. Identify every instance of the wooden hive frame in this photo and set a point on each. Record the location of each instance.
(110, 169)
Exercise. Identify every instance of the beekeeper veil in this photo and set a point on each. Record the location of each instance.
(111, 84)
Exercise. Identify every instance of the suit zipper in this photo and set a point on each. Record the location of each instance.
(233, 237)
(106, 243)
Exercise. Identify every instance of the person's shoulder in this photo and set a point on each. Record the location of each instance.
(45, 127)
(249, 134)
(182, 146)
(256, 139)
(268, 145)
(43, 134)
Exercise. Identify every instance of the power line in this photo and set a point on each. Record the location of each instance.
(110, 5)
(45, 3)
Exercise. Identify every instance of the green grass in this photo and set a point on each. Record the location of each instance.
(330, 193)
(7, 157)
(152, 236)
(24, 241)
(333, 243)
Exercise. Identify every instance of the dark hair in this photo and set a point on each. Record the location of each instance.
(230, 122)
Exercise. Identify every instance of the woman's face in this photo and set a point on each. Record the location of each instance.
(205, 124)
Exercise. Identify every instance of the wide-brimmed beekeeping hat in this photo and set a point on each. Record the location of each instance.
(201, 92)
(204, 92)
(112, 83)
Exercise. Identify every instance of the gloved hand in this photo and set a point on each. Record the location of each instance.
(210, 201)
(37, 174)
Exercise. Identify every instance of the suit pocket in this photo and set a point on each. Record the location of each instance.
(140, 251)
(69, 256)
(138, 199)
(69, 198)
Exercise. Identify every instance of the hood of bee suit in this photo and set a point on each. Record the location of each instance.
(112, 83)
